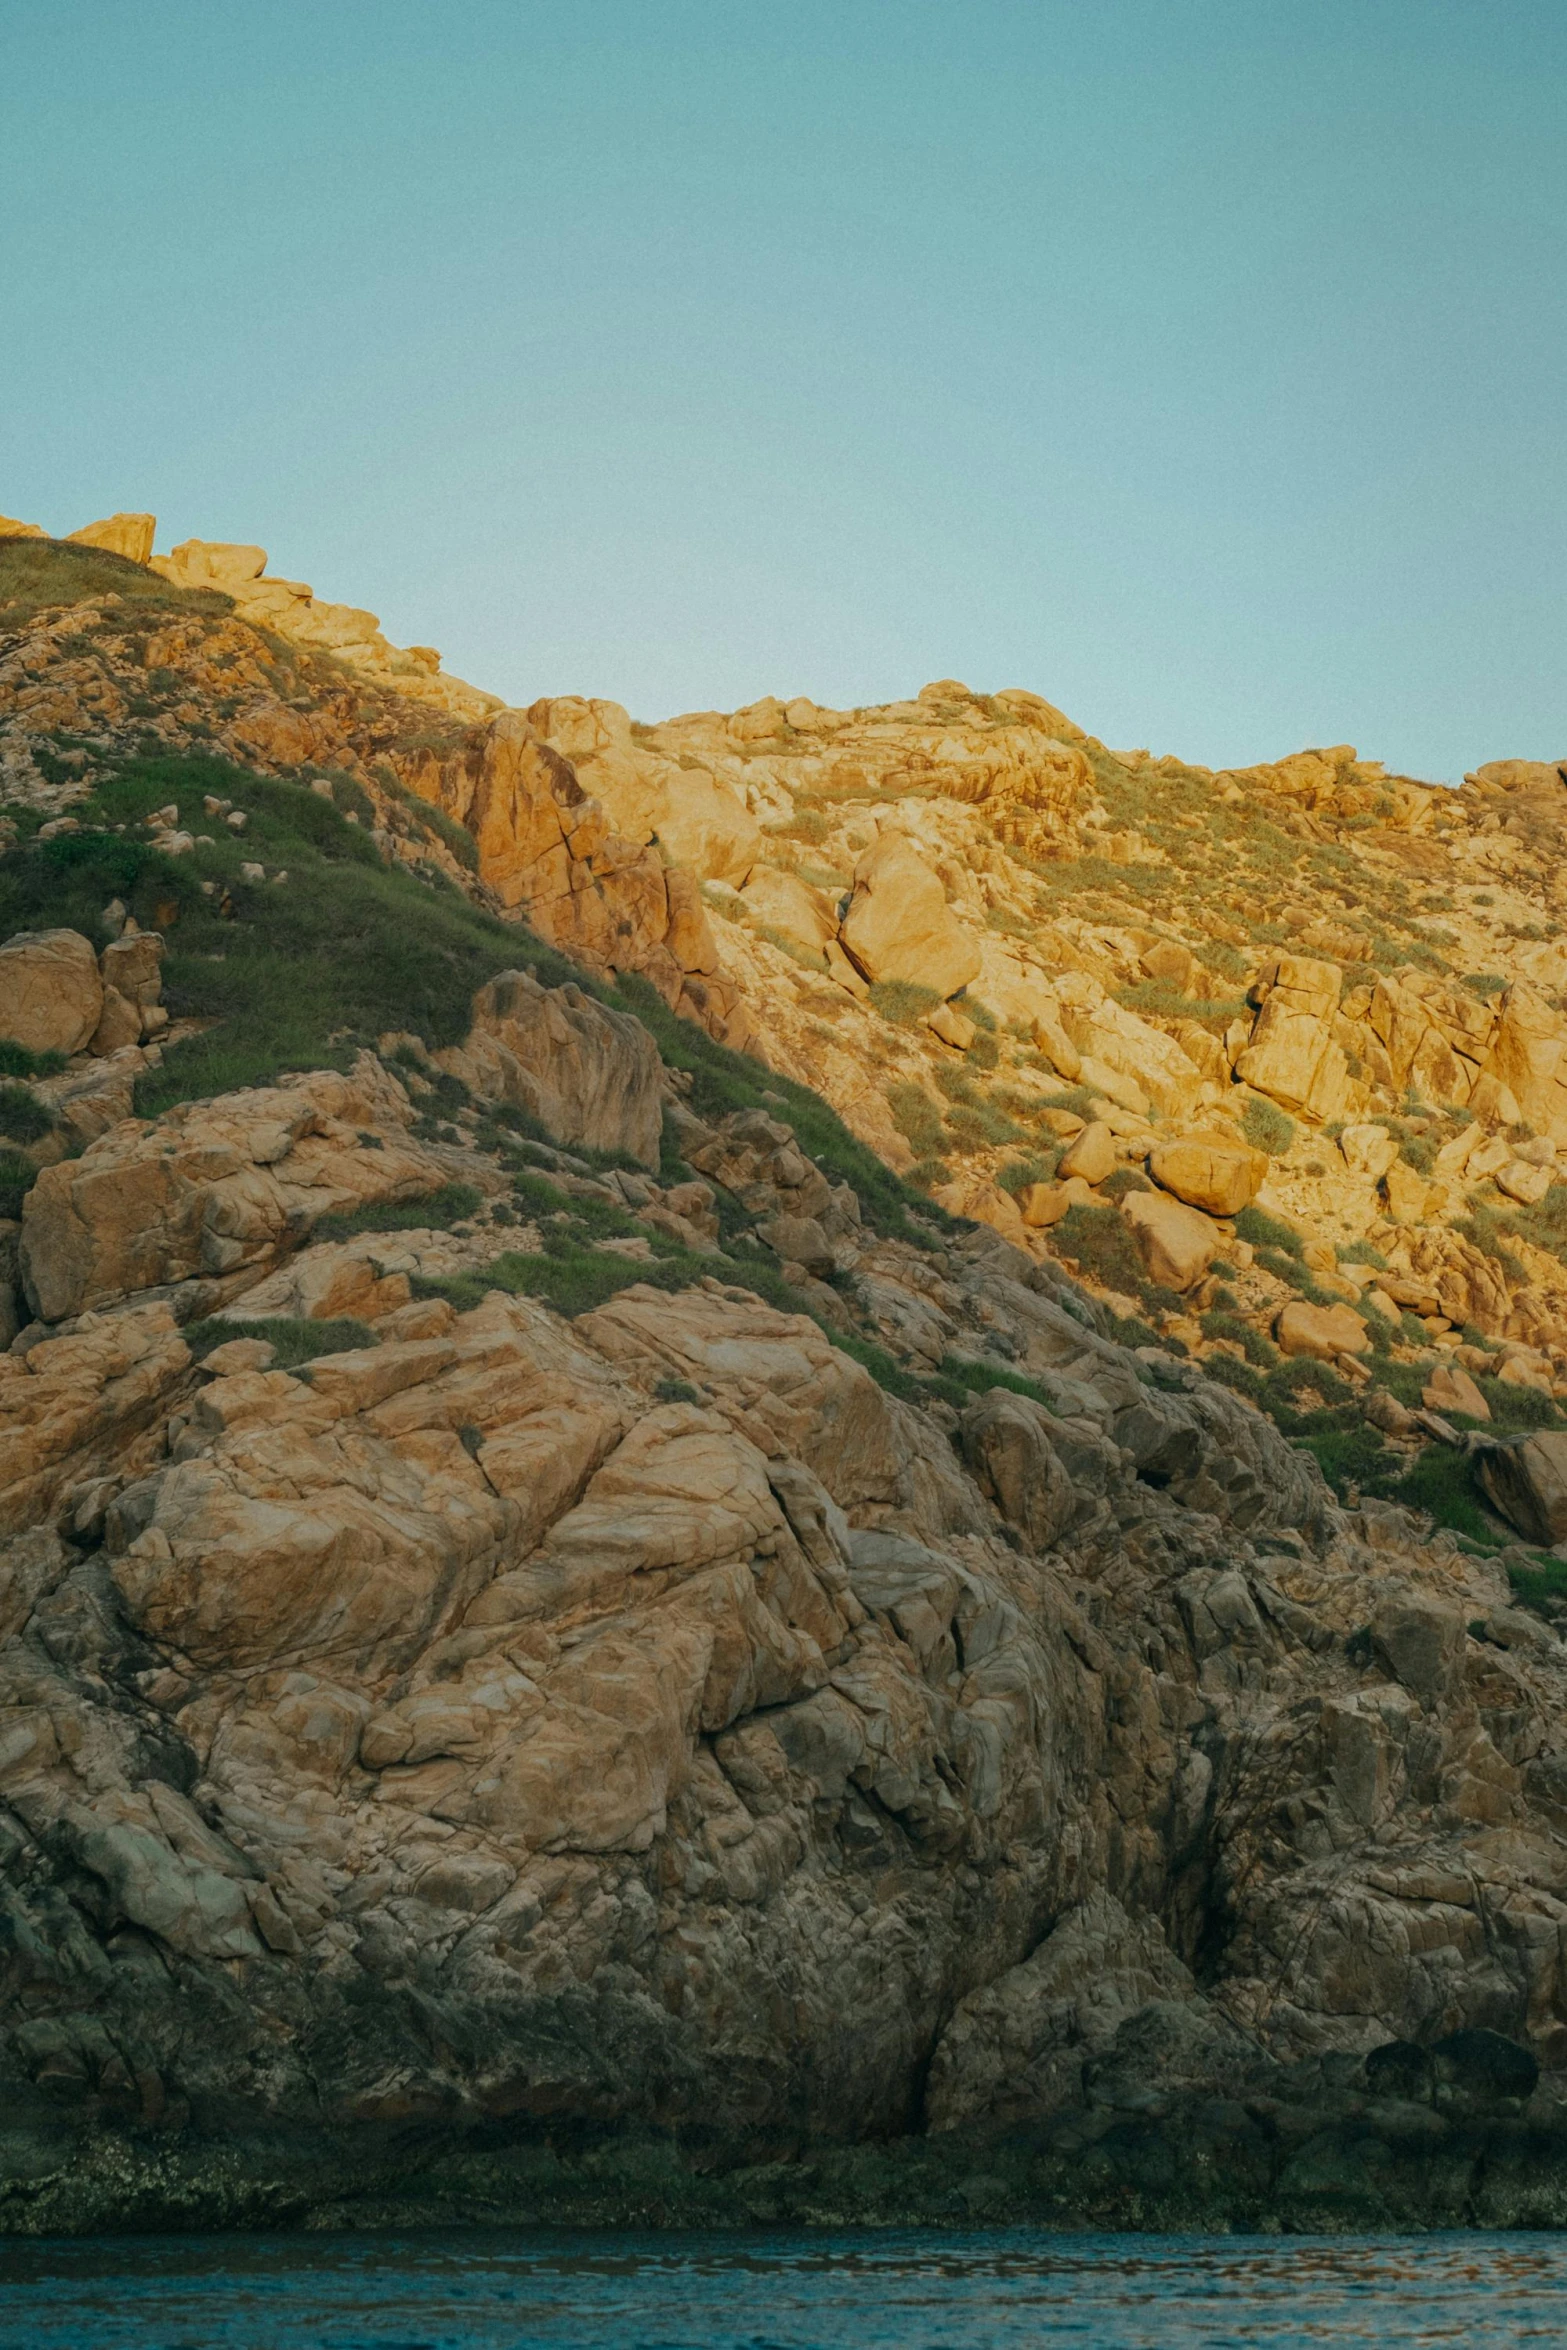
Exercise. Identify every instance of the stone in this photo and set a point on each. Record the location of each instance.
(119, 1025)
(952, 1026)
(1527, 1482)
(983, 1202)
(1176, 1243)
(783, 902)
(1368, 1151)
(1528, 1185)
(1169, 960)
(1323, 1332)
(51, 997)
(1220, 1177)
(1006, 1442)
(122, 534)
(1292, 1056)
(1451, 1389)
(899, 926)
(1051, 1039)
(1044, 1204)
(220, 1187)
(1092, 1155)
(1407, 1191)
(588, 1073)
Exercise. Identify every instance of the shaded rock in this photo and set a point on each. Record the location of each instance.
(51, 995)
(1176, 1243)
(589, 1074)
(1528, 1483)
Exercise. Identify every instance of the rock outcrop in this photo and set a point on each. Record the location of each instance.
(641, 1670)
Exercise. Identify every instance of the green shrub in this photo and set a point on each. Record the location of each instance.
(1097, 1239)
(984, 1051)
(1442, 1484)
(433, 1211)
(902, 1002)
(1266, 1127)
(916, 1117)
(292, 1338)
(17, 1061)
(1036, 1168)
(23, 1117)
(1254, 1224)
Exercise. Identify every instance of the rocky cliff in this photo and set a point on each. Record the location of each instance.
(793, 1465)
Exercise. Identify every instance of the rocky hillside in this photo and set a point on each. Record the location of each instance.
(799, 1464)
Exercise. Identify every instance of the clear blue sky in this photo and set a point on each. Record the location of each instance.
(1198, 363)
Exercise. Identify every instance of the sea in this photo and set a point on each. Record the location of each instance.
(915, 2290)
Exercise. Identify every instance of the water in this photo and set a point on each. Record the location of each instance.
(1017, 2290)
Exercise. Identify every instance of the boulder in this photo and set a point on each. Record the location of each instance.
(1408, 1193)
(706, 830)
(1091, 1155)
(899, 926)
(1368, 1150)
(1006, 1443)
(1176, 1243)
(1528, 1185)
(1528, 1483)
(1450, 1389)
(952, 1026)
(589, 1074)
(51, 996)
(984, 1202)
(1526, 1057)
(783, 902)
(1322, 1331)
(1220, 1177)
(1292, 1056)
(120, 534)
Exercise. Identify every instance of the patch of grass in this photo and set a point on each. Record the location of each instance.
(1259, 1351)
(292, 1338)
(1036, 1168)
(916, 1117)
(1442, 1484)
(295, 975)
(1097, 1240)
(17, 1061)
(1161, 999)
(1267, 1128)
(23, 1117)
(36, 574)
(1544, 1224)
(1254, 1224)
(1519, 1407)
(902, 1002)
(1354, 1456)
(432, 1211)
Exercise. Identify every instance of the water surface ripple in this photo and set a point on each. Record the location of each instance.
(915, 2290)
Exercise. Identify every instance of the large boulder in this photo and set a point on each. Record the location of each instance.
(1006, 1443)
(1220, 1177)
(1176, 1243)
(1528, 1484)
(1324, 1332)
(1292, 1056)
(589, 1074)
(120, 534)
(1526, 1058)
(899, 925)
(783, 902)
(1090, 1154)
(51, 994)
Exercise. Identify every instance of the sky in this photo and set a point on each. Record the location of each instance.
(1199, 364)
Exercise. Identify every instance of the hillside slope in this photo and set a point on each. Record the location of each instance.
(663, 1549)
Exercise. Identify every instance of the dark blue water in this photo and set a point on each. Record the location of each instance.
(1008, 2291)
